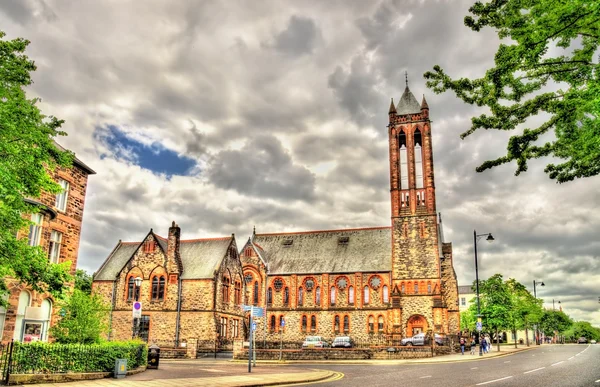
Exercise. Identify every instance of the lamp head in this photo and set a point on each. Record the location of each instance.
(542, 284)
(138, 281)
(489, 238)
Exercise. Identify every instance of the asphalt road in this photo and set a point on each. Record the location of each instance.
(548, 365)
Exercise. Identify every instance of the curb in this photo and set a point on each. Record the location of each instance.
(296, 381)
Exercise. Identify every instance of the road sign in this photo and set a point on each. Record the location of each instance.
(247, 307)
(258, 312)
(253, 326)
(282, 322)
(137, 309)
(479, 326)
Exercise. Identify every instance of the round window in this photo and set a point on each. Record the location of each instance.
(342, 283)
(248, 278)
(375, 282)
(278, 284)
(309, 284)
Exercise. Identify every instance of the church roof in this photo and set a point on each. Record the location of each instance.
(199, 257)
(465, 289)
(331, 251)
(408, 104)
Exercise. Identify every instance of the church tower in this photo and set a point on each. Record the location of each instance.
(418, 282)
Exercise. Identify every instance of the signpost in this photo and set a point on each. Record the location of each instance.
(254, 312)
(281, 338)
(479, 326)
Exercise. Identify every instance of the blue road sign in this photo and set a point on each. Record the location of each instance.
(253, 326)
(479, 326)
(258, 312)
(247, 307)
(282, 322)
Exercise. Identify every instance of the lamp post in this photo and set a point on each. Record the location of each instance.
(137, 283)
(537, 338)
(476, 238)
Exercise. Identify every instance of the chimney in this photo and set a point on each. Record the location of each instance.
(173, 242)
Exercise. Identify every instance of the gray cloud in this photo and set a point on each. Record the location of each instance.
(299, 38)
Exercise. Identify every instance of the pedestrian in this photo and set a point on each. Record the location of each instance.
(472, 345)
(462, 345)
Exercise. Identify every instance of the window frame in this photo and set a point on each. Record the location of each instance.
(54, 247)
(36, 229)
(62, 197)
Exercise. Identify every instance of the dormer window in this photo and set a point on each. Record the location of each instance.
(287, 242)
(343, 240)
(149, 246)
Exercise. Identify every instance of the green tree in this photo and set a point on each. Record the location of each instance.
(582, 329)
(83, 281)
(526, 311)
(544, 67)
(468, 319)
(554, 321)
(496, 305)
(83, 319)
(27, 154)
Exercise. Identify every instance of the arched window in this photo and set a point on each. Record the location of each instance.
(429, 287)
(300, 296)
(313, 323)
(336, 324)
(416, 287)
(386, 296)
(332, 296)
(380, 323)
(158, 288)
(286, 295)
(130, 289)
(318, 296)
(225, 289)
(272, 325)
(371, 324)
(3, 314)
(237, 295)
(351, 295)
(47, 313)
(418, 162)
(346, 324)
(24, 301)
(281, 322)
(366, 295)
(270, 296)
(403, 161)
(304, 324)
(403, 288)
(255, 293)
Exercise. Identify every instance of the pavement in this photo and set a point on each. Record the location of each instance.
(210, 372)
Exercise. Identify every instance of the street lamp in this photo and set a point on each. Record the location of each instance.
(537, 338)
(476, 238)
(137, 282)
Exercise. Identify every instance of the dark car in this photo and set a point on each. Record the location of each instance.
(342, 342)
(582, 340)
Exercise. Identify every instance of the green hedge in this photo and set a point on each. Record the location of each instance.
(49, 358)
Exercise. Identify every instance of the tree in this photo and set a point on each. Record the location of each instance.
(526, 309)
(468, 320)
(83, 281)
(582, 329)
(546, 45)
(495, 304)
(83, 319)
(554, 322)
(27, 155)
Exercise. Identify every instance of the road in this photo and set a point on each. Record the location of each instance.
(548, 365)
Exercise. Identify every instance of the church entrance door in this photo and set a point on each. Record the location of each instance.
(416, 324)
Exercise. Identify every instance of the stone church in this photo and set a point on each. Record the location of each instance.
(368, 283)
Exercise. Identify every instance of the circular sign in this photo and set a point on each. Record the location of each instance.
(137, 305)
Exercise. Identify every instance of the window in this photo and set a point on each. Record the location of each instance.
(463, 301)
(24, 302)
(270, 296)
(61, 198)
(346, 324)
(55, 240)
(144, 331)
(131, 288)
(35, 229)
(418, 161)
(237, 294)
(286, 296)
(318, 296)
(158, 288)
(336, 324)
(332, 296)
(304, 323)
(300, 296)
(235, 325)
(281, 322)
(226, 289)
(248, 278)
(403, 161)
(278, 284)
(3, 314)
(366, 295)
(386, 296)
(223, 331)
(380, 323)
(416, 288)
(403, 288)
(351, 295)
(255, 293)
(313, 323)
(272, 325)
(149, 246)
(47, 314)
(429, 287)
(371, 324)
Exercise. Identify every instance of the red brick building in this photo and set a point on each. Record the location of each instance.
(57, 228)
(382, 282)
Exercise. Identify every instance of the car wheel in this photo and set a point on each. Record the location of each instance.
(409, 344)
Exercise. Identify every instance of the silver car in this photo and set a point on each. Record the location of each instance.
(419, 339)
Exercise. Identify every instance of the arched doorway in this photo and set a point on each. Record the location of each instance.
(416, 324)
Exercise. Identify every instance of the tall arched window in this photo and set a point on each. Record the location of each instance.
(304, 323)
(270, 296)
(403, 161)
(380, 323)
(318, 296)
(272, 325)
(351, 295)
(158, 288)
(313, 323)
(403, 288)
(386, 296)
(130, 289)
(366, 295)
(225, 289)
(346, 324)
(332, 296)
(280, 322)
(237, 293)
(429, 287)
(300, 296)
(286, 295)
(24, 301)
(47, 313)
(255, 293)
(336, 324)
(416, 288)
(418, 160)
(371, 324)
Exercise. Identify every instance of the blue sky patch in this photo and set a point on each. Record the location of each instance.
(155, 157)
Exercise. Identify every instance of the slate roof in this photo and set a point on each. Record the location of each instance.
(408, 104)
(465, 289)
(367, 250)
(199, 257)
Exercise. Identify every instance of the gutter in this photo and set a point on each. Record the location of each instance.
(113, 301)
(178, 317)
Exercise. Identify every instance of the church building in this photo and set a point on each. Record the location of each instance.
(373, 283)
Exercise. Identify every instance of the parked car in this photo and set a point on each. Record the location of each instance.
(582, 340)
(314, 342)
(342, 342)
(419, 339)
(593, 342)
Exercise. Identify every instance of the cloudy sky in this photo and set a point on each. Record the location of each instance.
(227, 115)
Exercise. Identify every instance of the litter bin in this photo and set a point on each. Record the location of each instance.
(120, 368)
(153, 356)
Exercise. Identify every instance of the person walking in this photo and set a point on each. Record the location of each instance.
(472, 345)
(462, 345)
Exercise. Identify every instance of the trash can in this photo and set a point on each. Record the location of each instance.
(153, 357)
(120, 368)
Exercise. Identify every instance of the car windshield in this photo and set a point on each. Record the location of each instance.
(342, 339)
(313, 338)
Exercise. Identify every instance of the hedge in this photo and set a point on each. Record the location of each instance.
(49, 358)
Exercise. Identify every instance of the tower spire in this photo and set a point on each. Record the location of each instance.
(392, 108)
(406, 77)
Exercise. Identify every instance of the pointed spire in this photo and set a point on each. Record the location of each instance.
(406, 76)
(424, 103)
(392, 108)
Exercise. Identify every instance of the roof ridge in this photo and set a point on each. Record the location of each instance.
(325, 231)
(205, 239)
